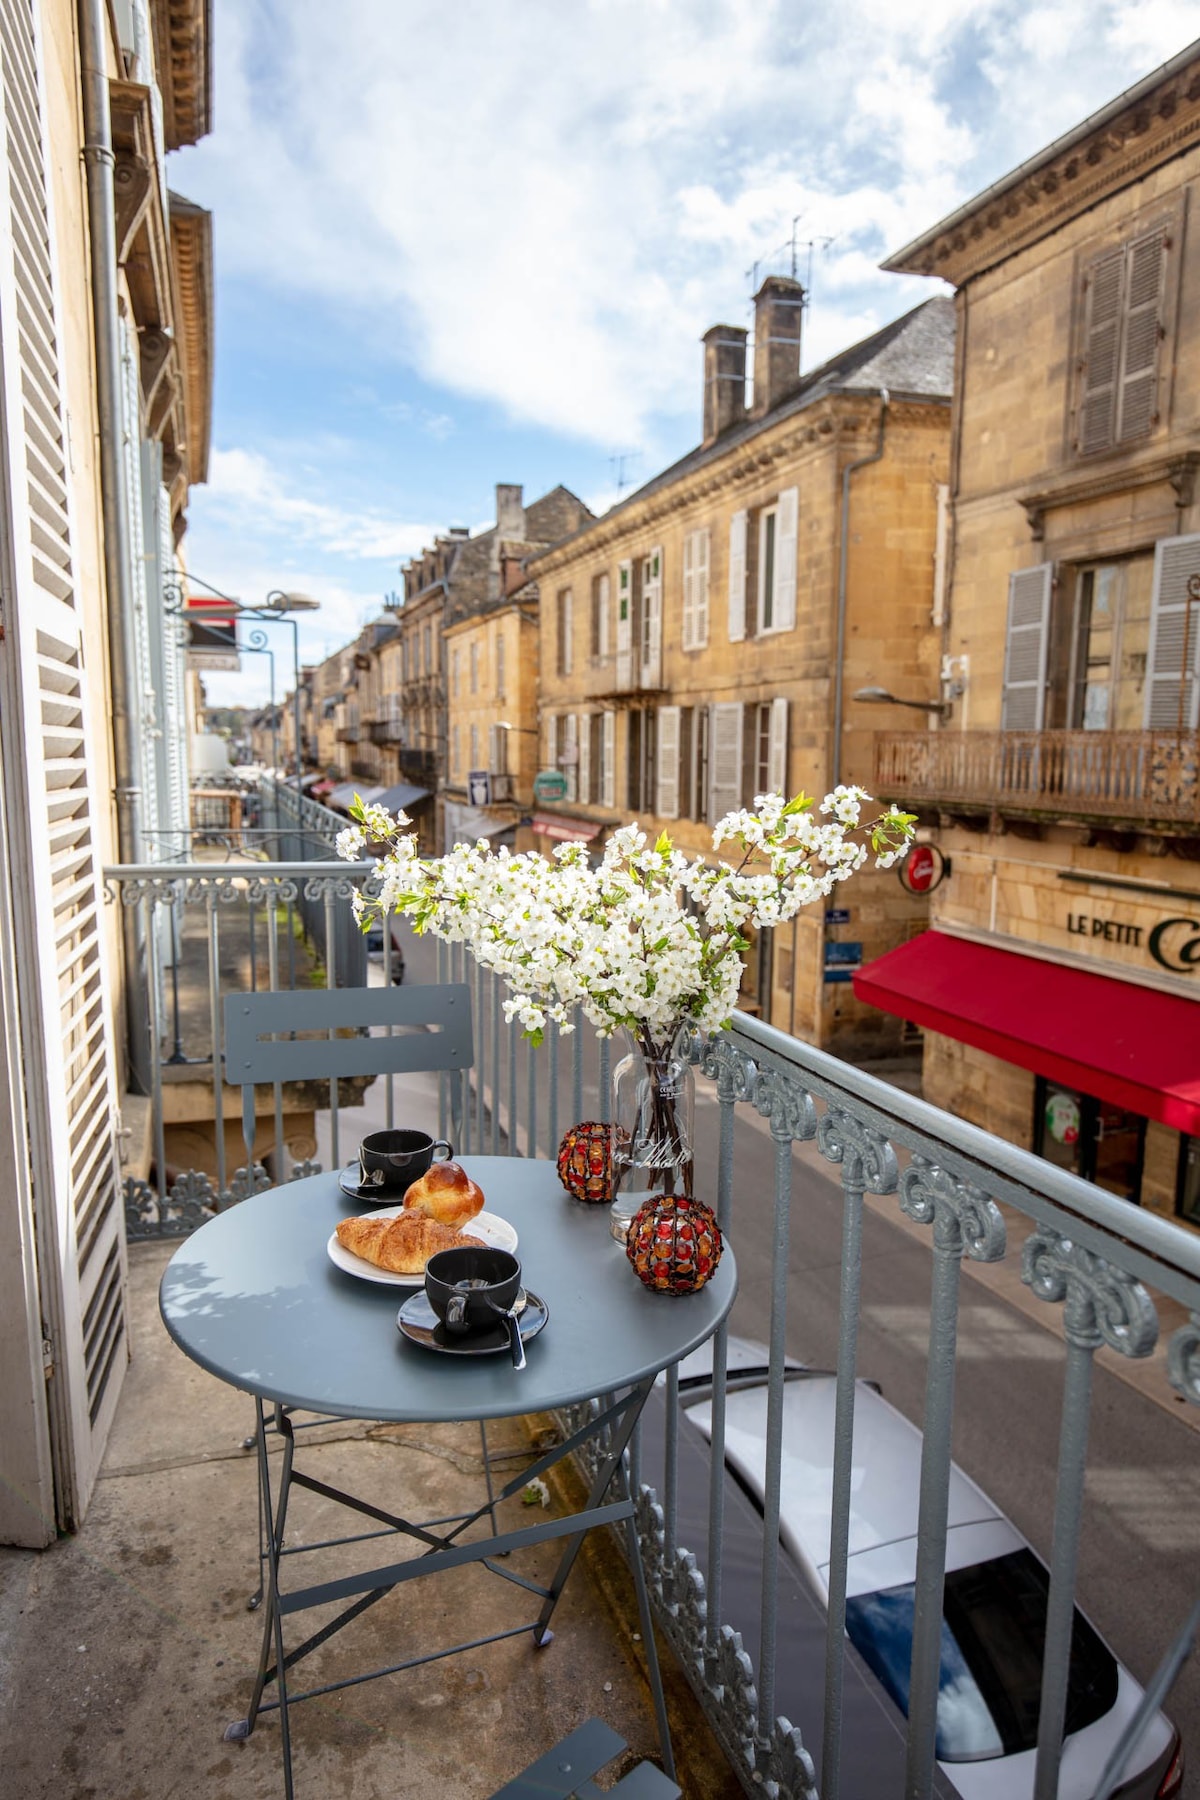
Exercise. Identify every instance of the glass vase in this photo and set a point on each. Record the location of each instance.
(653, 1114)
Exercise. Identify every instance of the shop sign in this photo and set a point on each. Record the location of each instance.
(479, 788)
(1062, 1117)
(841, 960)
(837, 915)
(549, 784)
(923, 869)
(1174, 944)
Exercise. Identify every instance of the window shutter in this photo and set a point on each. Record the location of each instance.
(625, 624)
(700, 582)
(569, 749)
(737, 577)
(1145, 266)
(689, 591)
(568, 632)
(786, 524)
(1173, 661)
(667, 802)
(500, 665)
(777, 748)
(1025, 648)
(725, 760)
(60, 980)
(652, 592)
(602, 607)
(608, 793)
(585, 758)
(1101, 348)
(552, 741)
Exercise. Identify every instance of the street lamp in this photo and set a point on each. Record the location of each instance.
(877, 696)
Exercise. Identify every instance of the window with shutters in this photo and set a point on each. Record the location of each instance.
(725, 759)
(642, 797)
(1172, 694)
(474, 664)
(608, 766)
(455, 658)
(1123, 320)
(500, 650)
(600, 620)
(1098, 677)
(566, 630)
(695, 589)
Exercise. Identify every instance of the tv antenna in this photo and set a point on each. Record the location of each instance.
(618, 462)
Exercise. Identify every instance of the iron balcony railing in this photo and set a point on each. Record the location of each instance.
(1127, 777)
(1088, 1257)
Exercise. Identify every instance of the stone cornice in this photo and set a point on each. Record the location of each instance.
(832, 418)
(191, 245)
(1122, 478)
(182, 40)
(1153, 122)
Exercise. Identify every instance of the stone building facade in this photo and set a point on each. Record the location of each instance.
(1058, 986)
(704, 640)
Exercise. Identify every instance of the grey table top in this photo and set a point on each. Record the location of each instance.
(253, 1297)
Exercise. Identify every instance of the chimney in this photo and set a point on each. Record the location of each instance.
(777, 311)
(724, 380)
(510, 513)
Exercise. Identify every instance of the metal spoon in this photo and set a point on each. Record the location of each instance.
(512, 1314)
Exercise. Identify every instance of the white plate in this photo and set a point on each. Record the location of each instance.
(489, 1227)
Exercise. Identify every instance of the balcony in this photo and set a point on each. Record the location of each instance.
(1126, 779)
(419, 766)
(871, 1231)
(347, 734)
(503, 786)
(386, 731)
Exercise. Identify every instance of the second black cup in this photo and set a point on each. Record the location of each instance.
(393, 1160)
(472, 1288)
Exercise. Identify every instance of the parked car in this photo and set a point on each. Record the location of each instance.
(995, 1593)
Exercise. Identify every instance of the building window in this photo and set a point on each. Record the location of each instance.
(455, 764)
(498, 757)
(600, 621)
(1187, 1191)
(597, 760)
(642, 768)
(695, 589)
(568, 752)
(566, 630)
(1099, 642)
(766, 569)
(455, 657)
(500, 665)
(474, 746)
(474, 667)
(427, 648)
(1121, 327)
(1091, 1138)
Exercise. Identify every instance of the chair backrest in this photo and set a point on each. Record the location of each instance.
(430, 1031)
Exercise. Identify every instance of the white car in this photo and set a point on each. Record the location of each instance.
(995, 1594)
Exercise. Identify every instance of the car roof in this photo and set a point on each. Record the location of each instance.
(885, 1484)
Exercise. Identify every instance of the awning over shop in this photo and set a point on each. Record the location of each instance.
(341, 798)
(317, 786)
(572, 831)
(1134, 1046)
(400, 797)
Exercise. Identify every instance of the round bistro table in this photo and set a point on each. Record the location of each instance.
(254, 1298)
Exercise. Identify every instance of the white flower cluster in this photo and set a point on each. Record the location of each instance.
(648, 938)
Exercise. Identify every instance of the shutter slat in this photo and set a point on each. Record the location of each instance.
(1104, 281)
(787, 512)
(777, 747)
(667, 801)
(725, 760)
(1025, 648)
(1173, 660)
(1137, 402)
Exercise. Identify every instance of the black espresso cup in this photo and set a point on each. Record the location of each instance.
(393, 1160)
(470, 1289)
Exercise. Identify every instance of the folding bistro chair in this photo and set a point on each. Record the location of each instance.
(565, 1772)
(429, 1032)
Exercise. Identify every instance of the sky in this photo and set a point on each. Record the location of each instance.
(462, 242)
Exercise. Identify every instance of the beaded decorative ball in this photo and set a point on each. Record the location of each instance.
(585, 1162)
(674, 1244)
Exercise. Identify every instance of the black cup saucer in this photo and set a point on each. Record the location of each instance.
(418, 1322)
(373, 1193)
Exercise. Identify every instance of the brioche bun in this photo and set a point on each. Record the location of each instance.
(446, 1193)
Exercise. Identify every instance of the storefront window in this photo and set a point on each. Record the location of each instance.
(1089, 1137)
(1187, 1198)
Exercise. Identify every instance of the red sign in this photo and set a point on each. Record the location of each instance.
(923, 868)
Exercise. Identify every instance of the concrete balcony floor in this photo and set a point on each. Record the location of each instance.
(126, 1650)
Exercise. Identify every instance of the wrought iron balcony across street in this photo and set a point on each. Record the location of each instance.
(347, 734)
(795, 1706)
(386, 731)
(1116, 777)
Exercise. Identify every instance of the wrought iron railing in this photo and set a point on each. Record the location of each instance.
(1125, 776)
(1086, 1255)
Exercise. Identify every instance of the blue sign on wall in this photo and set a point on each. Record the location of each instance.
(836, 953)
(837, 915)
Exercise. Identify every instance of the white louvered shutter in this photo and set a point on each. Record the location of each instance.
(49, 754)
(725, 760)
(667, 785)
(689, 591)
(1025, 648)
(602, 611)
(1173, 662)
(652, 598)
(144, 701)
(624, 625)
(737, 577)
(608, 793)
(1137, 398)
(777, 748)
(569, 751)
(1104, 283)
(787, 514)
(701, 559)
(585, 758)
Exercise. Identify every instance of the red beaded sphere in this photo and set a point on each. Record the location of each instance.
(674, 1244)
(585, 1162)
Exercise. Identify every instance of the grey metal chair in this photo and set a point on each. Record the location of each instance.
(565, 1773)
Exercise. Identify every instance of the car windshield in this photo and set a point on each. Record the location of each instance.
(993, 1632)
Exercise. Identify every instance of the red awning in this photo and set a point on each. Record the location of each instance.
(1134, 1046)
(573, 831)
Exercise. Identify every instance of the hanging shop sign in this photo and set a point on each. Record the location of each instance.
(479, 788)
(923, 869)
(550, 784)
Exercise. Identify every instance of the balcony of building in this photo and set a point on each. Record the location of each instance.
(873, 1234)
(419, 766)
(389, 729)
(347, 734)
(1124, 780)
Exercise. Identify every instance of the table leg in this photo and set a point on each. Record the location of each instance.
(272, 1636)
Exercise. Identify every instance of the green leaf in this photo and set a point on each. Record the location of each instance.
(663, 846)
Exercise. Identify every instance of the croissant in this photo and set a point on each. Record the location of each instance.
(402, 1245)
(446, 1193)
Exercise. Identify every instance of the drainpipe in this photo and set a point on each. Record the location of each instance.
(118, 577)
(843, 564)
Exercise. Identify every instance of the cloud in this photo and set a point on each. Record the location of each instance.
(544, 206)
(246, 490)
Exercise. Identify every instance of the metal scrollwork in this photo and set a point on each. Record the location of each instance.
(789, 1106)
(302, 1170)
(322, 887)
(1103, 1305)
(734, 1072)
(651, 1535)
(254, 1180)
(731, 1683)
(784, 1766)
(190, 1202)
(866, 1156)
(1183, 1359)
(687, 1613)
(964, 1219)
